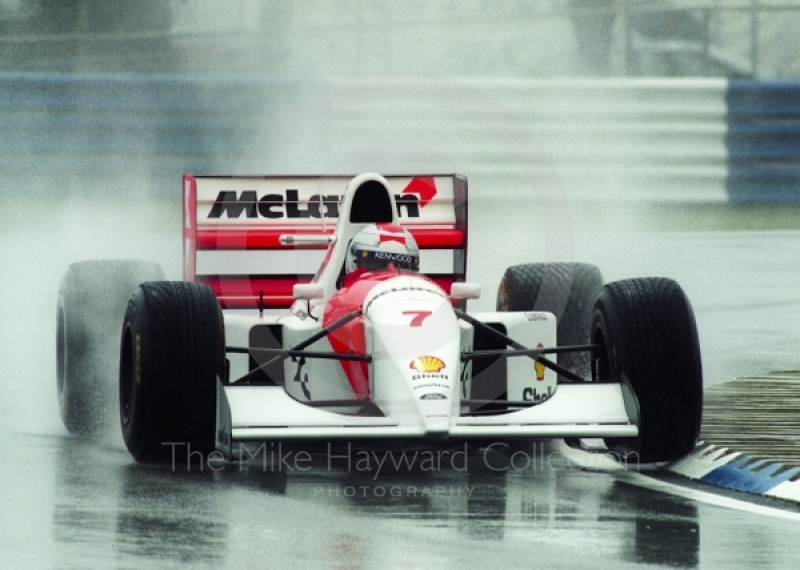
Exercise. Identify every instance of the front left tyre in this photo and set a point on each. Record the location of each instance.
(172, 353)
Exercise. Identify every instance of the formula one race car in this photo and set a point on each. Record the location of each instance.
(312, 315)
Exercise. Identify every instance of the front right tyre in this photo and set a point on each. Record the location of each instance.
(651, 344)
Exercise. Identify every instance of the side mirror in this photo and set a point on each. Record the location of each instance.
(308, 291)
(465, 290)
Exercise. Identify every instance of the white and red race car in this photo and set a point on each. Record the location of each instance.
(262, 342)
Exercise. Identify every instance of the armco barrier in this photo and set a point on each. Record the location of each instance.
(109, 133)
(594, 140)
(763, 142)
(617, 139)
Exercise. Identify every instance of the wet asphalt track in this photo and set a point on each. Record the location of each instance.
(69, 503)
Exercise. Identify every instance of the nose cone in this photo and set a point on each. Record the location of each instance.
(416, 352)
(434, 389)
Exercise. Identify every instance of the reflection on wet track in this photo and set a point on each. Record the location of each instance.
(113, 510)
(91, 506)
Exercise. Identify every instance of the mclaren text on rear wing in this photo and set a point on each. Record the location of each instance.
(243, 235)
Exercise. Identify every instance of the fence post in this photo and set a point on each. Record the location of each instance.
(754, 38)
(626, 30)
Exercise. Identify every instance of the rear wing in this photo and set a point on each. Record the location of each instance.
(243, 235)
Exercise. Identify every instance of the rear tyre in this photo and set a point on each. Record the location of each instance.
(172, 352)
(568, 290)
(649, 330)
(91, 303)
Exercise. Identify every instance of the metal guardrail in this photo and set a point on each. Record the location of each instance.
(593, 140)
(124, 132)
(645, 139)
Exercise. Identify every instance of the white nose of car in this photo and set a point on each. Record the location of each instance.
(412, 376)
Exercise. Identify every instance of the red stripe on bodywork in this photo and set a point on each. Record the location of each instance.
(350, 338)
(243, 292)
(254, 302)
(424, 187)
(270, 239)
(246, 291)
(189, 227)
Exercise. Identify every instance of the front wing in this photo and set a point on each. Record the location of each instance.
(268, 413)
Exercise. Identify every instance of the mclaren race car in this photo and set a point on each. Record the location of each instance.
(320, 309)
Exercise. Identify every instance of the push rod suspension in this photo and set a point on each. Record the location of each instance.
(532, 352)
(284, 354)
(304, 353)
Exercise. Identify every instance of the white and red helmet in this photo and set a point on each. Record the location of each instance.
(378, 245)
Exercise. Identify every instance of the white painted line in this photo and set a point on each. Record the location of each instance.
(698, 464)
(788, 490)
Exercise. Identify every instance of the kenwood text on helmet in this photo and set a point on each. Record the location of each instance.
(377, 246)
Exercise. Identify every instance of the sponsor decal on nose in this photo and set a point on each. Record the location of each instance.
(427, 364)
(433, 396)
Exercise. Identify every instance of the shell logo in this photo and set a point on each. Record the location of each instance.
(427, 364)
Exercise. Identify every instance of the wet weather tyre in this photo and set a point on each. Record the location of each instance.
(172, 352)
(648, 328)
(91, 303)
(568, 290)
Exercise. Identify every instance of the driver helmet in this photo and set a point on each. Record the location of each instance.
(378, 245)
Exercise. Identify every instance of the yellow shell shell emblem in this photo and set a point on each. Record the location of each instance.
(427, 364)
(539, 367)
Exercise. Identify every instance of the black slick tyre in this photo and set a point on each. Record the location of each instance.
(648, 328)
(91, 303)
(568, 290)
(172, 352)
